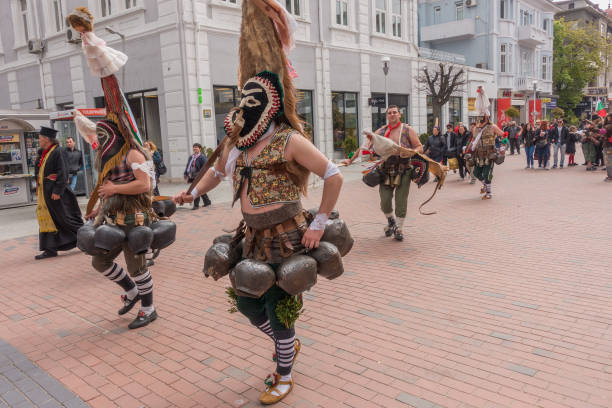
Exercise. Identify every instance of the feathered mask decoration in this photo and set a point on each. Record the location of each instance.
(482, 102)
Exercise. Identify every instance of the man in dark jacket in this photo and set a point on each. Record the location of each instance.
(513, 138)
(451, 144)
(196, 161)
(57, 210)
(558, 137)
(435, 147)
(73, 160)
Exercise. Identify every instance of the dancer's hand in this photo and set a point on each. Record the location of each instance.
(182, 198)
(107, 189)
(93, 214)
(311, 238)
(55, 196)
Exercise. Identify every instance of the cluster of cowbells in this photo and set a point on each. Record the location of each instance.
(106, 238)
(296, 274)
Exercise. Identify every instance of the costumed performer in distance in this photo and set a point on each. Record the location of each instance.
(269, 159)
(480, 150)
(396, 170)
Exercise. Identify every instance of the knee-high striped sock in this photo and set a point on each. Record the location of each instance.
(117, 274)
(263, 323)
(144, 283)
(285, 350)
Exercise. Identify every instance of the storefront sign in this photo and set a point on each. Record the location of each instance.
(13, 138)
(378, 101)
(207, 113)
(597, 92)
(551, 103)
(10, 189)
(69, 114)
(471, 104)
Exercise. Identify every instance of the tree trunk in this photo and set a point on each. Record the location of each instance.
(437, 114)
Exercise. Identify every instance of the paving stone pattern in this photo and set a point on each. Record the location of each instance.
(502, 303)
(25, 385)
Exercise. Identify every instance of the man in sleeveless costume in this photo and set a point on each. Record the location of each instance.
(269, 160)
(397, 172)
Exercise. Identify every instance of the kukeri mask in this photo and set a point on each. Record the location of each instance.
(261, 102)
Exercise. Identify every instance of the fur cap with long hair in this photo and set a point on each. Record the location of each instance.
(261, 50)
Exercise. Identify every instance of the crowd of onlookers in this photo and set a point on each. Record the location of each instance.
(545, 143)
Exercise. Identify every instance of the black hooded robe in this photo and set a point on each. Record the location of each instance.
(65, 212)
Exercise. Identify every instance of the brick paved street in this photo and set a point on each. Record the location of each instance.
(500, 303)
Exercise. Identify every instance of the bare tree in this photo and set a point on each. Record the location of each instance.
(441, 84)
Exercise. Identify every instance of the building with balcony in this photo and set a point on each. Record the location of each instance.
(181, 77)
(587, 12)
(513, 38)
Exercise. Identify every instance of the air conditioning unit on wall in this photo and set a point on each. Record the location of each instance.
(471, 3)
(35, 46)
(73, 36)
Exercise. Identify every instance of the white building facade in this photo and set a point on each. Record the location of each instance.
(181, 77)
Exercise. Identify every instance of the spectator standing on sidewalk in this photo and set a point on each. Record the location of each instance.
(559, 135)
(542, 146)
(450, 138)
(463, 135)
(590, 141)
(528, 135)
(570, 149)
(74, 161)
(435, 147)
(158, 163)
(196, 161)
(513, 137)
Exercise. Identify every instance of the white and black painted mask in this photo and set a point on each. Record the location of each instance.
(261, 102)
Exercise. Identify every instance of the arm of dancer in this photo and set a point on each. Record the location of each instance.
(142, 184)
(211, 179)
(414, 140)
(305, 153)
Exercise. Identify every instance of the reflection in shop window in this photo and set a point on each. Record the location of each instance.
(304, 111)
(226, 97)
(454, 109)
(379, 117)
(430, 116)
(344, 116)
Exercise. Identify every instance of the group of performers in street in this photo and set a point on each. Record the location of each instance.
(279, 248)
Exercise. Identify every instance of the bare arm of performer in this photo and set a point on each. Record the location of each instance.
(497, 131)
(211, 179)
(142, 184)
(306, 154)
(414, 140)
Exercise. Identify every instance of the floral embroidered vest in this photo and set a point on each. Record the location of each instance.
(270, 183)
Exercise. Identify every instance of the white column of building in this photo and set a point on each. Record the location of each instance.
(48, 81)
(418, 101)
(13, 89)
(324, 125)
(366, 111)
(176, 128)
(79, 97)
(208, 128)
(192, 82)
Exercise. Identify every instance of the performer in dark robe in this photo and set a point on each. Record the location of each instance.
(58, 213)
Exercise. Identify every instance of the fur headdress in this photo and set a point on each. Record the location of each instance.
(265, 34)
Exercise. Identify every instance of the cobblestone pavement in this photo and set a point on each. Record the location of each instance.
(24, 385)
(499, 303)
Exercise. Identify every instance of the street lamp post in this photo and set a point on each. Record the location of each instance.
(535, 88)
(110, 30)
(386, 63)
